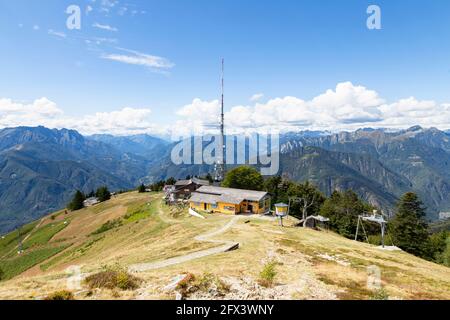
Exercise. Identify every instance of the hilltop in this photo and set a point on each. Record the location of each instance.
(139, 232)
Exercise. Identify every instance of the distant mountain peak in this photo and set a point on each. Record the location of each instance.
(415, 129)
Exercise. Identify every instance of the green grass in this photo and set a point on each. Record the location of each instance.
(110, 224)
(139, 212)
(11, 240)
(15, 266)
(102, 206)
(43, 235)
(70, 254)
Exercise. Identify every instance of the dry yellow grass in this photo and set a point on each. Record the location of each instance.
(311, 264)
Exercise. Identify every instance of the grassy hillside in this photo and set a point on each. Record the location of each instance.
(138, 230)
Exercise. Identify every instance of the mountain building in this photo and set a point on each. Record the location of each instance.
(229, 201)
(183, 189)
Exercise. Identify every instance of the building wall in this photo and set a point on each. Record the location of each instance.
(184, 192)
(444, 215)
(257, 207)
(225, 208)
(229, 208)
(196, 206)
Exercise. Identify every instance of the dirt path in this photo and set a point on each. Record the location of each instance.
(163, 216)
(225, 246)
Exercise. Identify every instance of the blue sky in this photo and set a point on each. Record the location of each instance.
(277, 49)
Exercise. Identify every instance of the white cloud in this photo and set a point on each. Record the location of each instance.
(125, 121)
(256, 97)
(208, 112)
(42, 106)
(105, 27)
(346, 107)
(57, 34)
(36, 27)
(140, 59)
(122, 11)
(46, 113)
(99, 41)
(107, 5)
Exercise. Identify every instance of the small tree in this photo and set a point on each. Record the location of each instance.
(2, 274)
(103, 194)
(408, 228)
(437, 244)
(309, 199)
(343, 209)
(141, 188)
(209, 178)
(158, 186)
(244, 178)
(171, 181)
(77, 201)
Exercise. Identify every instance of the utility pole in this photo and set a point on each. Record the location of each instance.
(220, 165)
(19, 238)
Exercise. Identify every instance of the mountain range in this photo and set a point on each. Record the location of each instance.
(40, 168)
(380, 165)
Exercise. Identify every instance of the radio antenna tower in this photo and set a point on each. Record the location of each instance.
(220, 164)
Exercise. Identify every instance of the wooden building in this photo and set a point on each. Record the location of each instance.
(229, 201)
(182, 190)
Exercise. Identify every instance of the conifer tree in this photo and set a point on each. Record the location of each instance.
(408, 228)
(77, 201)
(141, 188)
(103, 194)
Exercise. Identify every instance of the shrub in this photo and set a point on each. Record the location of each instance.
(1, 274)
(60, 295)
(108, 225)
(380, 294)
(113, 278)
(141, 188)
(376, 240)
(209, 280)
(267, 275)
(184, 284)
(103, 194)
(205, 283)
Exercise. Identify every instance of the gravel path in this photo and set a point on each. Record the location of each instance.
(224, 247)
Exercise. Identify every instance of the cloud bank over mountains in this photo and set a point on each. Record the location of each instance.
(345, 107)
